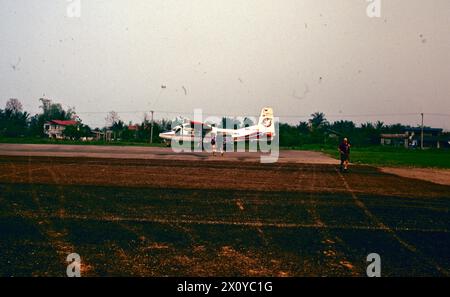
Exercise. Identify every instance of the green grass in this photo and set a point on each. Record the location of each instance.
(390, 156)
(37, 140)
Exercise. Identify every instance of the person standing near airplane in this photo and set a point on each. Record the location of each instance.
(223, 143)
(213, 144)
(344, 152)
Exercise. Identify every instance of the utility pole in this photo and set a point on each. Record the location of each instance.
(421, 133)
(151, 129)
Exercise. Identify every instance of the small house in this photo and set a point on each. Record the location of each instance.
(55, 128)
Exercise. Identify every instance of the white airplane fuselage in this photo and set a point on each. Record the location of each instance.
(202, 133)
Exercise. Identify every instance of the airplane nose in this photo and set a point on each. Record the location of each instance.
(166, 135)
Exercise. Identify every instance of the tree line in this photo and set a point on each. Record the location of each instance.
(15, 122)
(318, 130)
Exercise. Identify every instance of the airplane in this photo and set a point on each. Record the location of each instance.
(196, 131)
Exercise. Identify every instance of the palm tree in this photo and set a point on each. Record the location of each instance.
(303, 127)
(379, 125)
(367, 126)
(117, 128)
(318, 120)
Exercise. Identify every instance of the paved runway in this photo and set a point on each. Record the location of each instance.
(148, 153)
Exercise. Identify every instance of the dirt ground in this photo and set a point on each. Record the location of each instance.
(216, 217)
(435, 175)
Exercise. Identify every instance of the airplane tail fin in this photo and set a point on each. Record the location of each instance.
(266, 121)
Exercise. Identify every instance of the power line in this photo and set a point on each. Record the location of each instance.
(281, 116)
(439, 114)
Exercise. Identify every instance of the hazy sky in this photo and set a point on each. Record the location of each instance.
(230, 57)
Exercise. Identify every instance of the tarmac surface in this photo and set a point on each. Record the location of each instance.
(148, 153)
(130, 211)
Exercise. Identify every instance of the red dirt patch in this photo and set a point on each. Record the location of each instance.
(434, 175)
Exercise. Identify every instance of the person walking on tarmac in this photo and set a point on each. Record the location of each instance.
(344, 152)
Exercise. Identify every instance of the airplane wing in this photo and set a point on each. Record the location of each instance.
(204, 126)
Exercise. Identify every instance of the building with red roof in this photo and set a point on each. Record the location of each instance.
(133, 127)
(55, 128)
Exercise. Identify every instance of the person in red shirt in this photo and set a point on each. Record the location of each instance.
(344, 152)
